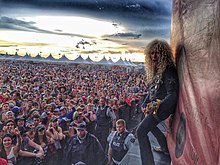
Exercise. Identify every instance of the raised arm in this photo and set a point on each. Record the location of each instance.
(18, 144)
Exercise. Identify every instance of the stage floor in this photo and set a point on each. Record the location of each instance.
(133, 155)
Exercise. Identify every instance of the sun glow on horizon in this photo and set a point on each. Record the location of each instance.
(58, 35)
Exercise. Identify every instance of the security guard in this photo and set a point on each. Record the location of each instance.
(106, 119)
(120, 141)
(84, 148)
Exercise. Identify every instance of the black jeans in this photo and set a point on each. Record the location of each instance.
(102, 134)
(149, 124)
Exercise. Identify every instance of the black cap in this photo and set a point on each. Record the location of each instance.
(72, 124)
(81, 125)
(56, 110)
(40, 127)
(53, 119)
(19, 118)
(23, 130)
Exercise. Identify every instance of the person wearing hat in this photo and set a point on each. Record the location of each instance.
(9, 116)
(72, 129)
(9, 126)
(80, 108)
(20, 121)
(84, 147)
(54, 130)
(56, 112)
(16, 110)
(64, 124)
(63, 112)
(41, 139)
(35, 105)
(30, 124)
(49, 108)
(26, 154)
(55, 133)
(50, 100)
(79, 117)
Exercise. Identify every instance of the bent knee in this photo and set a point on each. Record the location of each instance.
(142, 131)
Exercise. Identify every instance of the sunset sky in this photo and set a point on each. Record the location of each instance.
(98, 28)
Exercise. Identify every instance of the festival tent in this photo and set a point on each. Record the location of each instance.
(131, 63)
(80, 60)
(127, 63)
(26, 57)
(110, 60)
(3, 56)
(12, 57)
(89, 60)
(38, 58)
(50, 59)
(104, 61)
(63, 60)
(120, 62)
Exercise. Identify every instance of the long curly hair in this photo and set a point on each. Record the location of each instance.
(165, 59)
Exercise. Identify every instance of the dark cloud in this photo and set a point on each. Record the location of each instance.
(57, 30)
(156, 32)
(133, 51)
(63, 51)
(91, 52)
(34, 44)
(16, 24)
(8, 45)
(129, 13)
(112, 52)
(149, 5)
(123, 35)
(143, 19)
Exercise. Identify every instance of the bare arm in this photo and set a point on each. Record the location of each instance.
(109, 156)
(114, 124)
(26, 154)
(36, 146)
(18, 145)
(60, 133)
(52, 133)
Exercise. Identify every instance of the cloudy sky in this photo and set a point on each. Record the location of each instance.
(110, 28)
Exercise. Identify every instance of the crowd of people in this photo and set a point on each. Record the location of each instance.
(47, 109)
(61, 114)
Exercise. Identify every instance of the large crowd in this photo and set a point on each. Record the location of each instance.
(42, 105)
